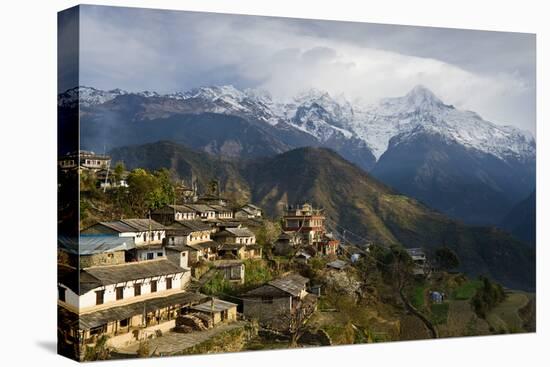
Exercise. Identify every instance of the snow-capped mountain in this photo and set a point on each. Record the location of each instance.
(421, 111)
(452, 160)
(318, 114)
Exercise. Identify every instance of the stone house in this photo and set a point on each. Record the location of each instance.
(94, 250)
(217, 310)
(278, 299)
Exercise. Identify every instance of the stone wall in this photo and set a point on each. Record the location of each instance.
(111, 258)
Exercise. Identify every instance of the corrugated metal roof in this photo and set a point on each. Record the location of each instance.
(95, 244)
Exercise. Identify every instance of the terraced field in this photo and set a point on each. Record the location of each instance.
(505, 318)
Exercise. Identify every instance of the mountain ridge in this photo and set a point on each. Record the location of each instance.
(352, 199)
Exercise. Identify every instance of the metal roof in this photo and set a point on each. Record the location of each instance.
(95, 244)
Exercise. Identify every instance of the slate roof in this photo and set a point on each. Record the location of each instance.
(218, 306)
(193, 225)
(172, 208)
(94, 319)
(337, 264)
(132, 225)
(219, 208)
(97, 276)
(252, 206)
(292, 284)
(231, 246)
(203, 245)
(201, 208)
(237, 232)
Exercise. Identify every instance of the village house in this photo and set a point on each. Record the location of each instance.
(104, 286)
(169, 214)
(285, 244)
(210, 199)
(187, 232)
(116, 299)
(277, 300)
(232, 270)
(222, 212)
(248, 211)
(305, 221)
(88, 251)
(237, 235)
(218, 311)
(237, 243)
(84, 160)
(202, 211)
(143, 231)
(106, 179)
(418, 257)
(307, 226)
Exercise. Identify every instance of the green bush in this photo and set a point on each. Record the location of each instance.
(487, 297)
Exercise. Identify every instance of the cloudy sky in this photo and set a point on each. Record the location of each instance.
(492, 73)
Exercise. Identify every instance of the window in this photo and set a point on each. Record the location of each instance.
(160, 254)
(153, 286)
(145, 237)
(125, 322)
(61, 291)
(267, 299)
(99, 297)
(169, 283)
(150, 255)
(137, 289)
(119, 293)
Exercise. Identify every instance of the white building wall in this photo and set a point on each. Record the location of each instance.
(88, 300)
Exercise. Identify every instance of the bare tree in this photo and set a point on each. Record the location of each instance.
(294, 323)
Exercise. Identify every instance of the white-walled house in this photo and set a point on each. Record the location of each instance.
(188, 233)
(241, 235)
(128, 302)
(170, 213)
(203, 211)
(222, 212)
(102, 287)
(143, 231)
